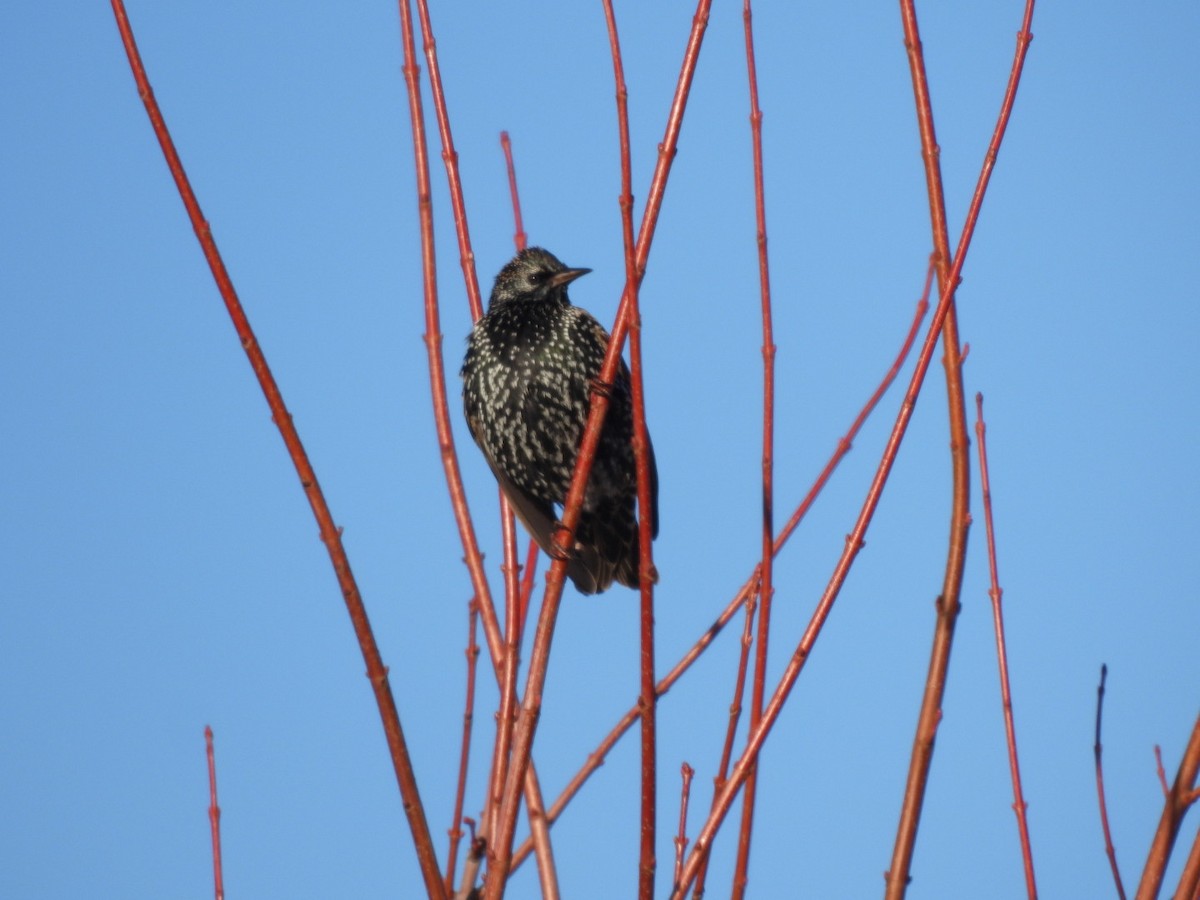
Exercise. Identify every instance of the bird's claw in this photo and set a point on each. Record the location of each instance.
(603, 388)
(562, 543)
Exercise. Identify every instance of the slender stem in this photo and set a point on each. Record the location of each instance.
(681, 840)
(214, 815)
(1161, 772)
(512, 661)
(735, 713)
(766, 587)
(519, 236)
(450, 158)
(648, 702)
(464, 753)
(1097, 752)
(329, 532)
(996, 595)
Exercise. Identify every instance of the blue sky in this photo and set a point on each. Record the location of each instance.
(162, 570)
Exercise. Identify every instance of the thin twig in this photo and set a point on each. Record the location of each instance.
(641, 442)
(214, 815)
(735, 715)
(329, 532)
(1020, 807)
(519, 236)
(506, 715)
(766, 586)
(464, 754)
(681, 840)
(466, 254)
(1161, 772)
(1097, 752)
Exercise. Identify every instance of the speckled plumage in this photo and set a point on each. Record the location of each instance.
(527, 378)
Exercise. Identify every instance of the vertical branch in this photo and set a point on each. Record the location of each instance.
(1183, 794)
(540, 656)
(510, 664)
(735, 708)
(465, 745)
(1097, 751)
(948, 277)
(649, 699)
(329, 532)
(681, 840)
(1020, 807)
(519, 237)
(450, 157)
(214, 815)
(766, 588)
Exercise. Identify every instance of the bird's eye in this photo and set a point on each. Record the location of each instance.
(538, 276)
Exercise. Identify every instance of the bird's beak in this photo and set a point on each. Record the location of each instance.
(565, 278)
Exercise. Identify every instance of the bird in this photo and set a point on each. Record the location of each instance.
(532, 362)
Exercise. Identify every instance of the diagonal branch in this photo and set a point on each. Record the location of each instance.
(948, 276)
(330, 533)
(996, 594)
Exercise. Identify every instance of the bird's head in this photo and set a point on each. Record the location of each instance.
(534, 275)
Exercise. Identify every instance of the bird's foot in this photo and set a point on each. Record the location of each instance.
(603, 388)
(562, 543)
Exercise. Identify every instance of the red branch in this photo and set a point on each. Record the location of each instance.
(214, 815)
(681, 840)
(500, 852)
(1097, 752)
(519, 236)
(449, 154)
(996, 595)
(949, 273)
(464, 755)
(649, 698)
(766, 588)
(735, 712)
(1161, 772)
(1182, 795)
(329, 532)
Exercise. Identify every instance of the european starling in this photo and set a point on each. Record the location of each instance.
(528, 374)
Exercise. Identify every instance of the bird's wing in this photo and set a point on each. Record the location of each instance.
(584, 567)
